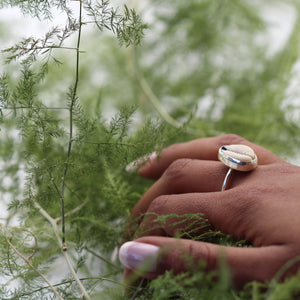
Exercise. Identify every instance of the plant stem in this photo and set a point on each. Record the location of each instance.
(30, 107)
(35, 270)
(276, 279)
(78, 281)
(100, 279)
(73, 99)
(101, 257)
(50, 220)
(65, 253)
(73, 211)
(150, 95)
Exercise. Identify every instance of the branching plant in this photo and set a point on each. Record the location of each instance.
(84, 99)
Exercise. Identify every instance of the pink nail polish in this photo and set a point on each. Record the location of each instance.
(133, 166)
(139, 256)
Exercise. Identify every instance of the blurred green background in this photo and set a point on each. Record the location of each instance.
(203, 68)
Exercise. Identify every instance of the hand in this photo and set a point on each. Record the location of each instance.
(261, 206)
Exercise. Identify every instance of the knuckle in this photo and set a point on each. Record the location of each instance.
(154, 222)
(209, 256)
(177, 170)
(159, 205)
(243, 209)
(231, 138)
(248, 202)
(203, 253)
(173, 147)
(253, 195)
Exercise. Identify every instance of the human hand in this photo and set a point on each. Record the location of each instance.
(261, 206)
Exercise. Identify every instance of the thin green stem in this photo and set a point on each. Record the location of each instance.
(64, 48)
(101, 257)
(50, 220)
(78, 281)
(73, 99)
(34, 269)
(151, 96)
(53, 222)
(73, 211)
(100, 279)
(156, 103)
(111, 143)
(62, 197)
(30, 107)
(280, 275)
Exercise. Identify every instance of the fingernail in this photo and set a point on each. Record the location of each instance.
(139, 256)
(133, 166)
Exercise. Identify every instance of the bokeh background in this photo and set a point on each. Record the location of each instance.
(203, 68)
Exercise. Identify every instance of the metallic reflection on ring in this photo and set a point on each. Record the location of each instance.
(237, 157)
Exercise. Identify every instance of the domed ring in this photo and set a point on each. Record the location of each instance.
(237, 157)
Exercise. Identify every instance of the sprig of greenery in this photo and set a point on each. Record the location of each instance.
(32, 48)
(127, 26)
(58, 143)
(37, 9)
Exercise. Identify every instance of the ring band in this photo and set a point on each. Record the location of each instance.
(236, 157)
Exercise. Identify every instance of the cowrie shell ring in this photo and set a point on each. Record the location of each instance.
(237, 157)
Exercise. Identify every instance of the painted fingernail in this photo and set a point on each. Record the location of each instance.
(139, 256)
(133, 166)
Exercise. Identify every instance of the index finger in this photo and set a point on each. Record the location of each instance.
(203, 149)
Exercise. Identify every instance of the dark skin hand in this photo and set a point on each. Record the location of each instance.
(261, 206)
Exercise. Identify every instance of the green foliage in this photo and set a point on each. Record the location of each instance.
(128, 26)
(287, 290)
(199, 285)
(30, 48)
(38, 9)
(76, 108)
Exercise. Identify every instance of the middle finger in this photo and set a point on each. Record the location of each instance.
(184, 176)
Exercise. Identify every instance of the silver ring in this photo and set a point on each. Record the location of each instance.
(237, 157)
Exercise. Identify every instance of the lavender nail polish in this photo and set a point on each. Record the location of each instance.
(135, 255)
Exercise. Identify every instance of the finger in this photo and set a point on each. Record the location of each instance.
(184, 176)
(233, 212)
(168, 218)
(202, 149)
(154, 255)
(191, 191)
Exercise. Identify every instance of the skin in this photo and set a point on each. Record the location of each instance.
(261, 206)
